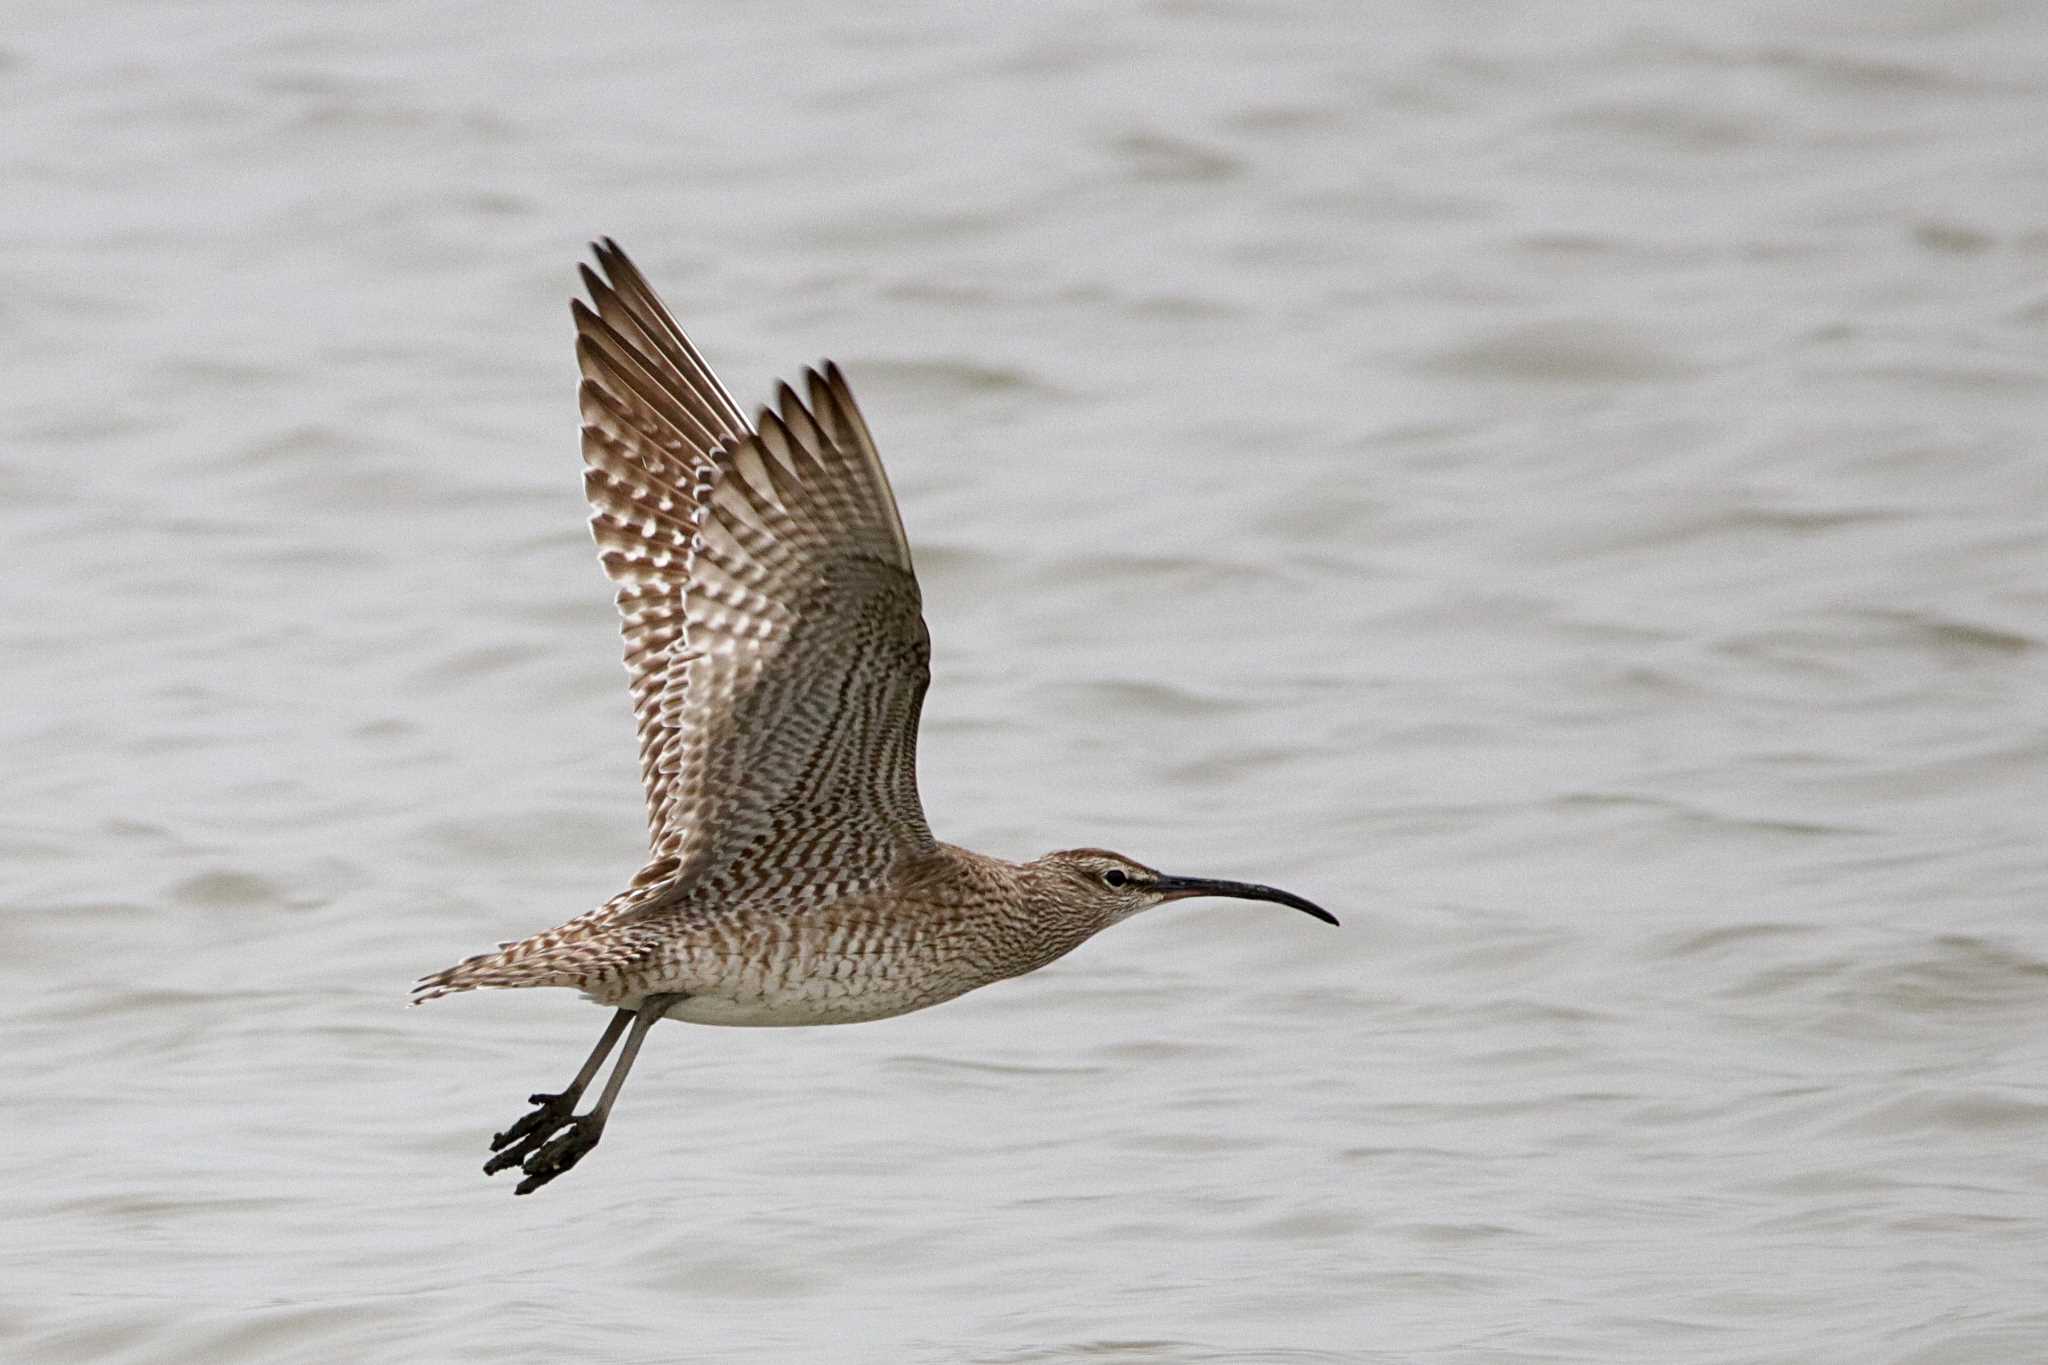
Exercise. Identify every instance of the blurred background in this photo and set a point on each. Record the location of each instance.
(1561, 486)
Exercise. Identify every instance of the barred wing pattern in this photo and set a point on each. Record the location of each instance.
(773, 630)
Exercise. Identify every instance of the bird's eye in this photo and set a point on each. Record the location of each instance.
(1115, 877)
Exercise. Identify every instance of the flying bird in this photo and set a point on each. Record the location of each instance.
(778, 658)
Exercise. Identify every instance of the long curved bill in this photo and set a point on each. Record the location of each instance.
(1180, 888)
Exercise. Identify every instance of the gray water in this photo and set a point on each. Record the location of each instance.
(1562, 486)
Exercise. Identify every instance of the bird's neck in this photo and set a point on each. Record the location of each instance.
(1028, 908)
(1050, 913)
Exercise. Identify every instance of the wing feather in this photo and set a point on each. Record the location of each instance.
(774, 642)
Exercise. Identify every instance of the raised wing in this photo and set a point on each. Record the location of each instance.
(771, 615)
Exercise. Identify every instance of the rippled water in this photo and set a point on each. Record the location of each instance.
(1561, 486)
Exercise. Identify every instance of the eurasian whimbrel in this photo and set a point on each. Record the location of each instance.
(779, 659)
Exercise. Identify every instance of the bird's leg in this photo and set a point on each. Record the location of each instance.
(583, 1131)
(519, 1141)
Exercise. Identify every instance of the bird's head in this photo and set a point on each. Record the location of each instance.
(1114, 887)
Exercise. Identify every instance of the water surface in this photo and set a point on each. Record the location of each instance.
(1562, 488)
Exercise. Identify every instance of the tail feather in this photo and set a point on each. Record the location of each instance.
(579, 954)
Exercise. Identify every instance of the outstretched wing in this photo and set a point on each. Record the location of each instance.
(773, 635)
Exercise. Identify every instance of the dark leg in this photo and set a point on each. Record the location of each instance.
(583, 1132)
(519, 1141)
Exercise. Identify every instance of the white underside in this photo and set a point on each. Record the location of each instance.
(788, 1009)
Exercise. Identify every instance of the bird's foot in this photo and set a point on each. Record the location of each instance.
(561, 1154)
(522, 1139)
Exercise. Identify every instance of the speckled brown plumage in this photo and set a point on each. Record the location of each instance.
(778, 660)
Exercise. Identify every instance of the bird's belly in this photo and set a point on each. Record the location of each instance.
(806, 1003)
(788, 1011)
(793, 986)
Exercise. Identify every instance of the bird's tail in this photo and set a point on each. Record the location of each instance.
(584, 955)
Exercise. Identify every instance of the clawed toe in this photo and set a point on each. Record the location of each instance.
(561, 1154)
(517, 1143)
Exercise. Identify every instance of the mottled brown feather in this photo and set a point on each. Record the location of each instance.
(775, 649)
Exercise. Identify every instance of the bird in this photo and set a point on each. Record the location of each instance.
(777, 658)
